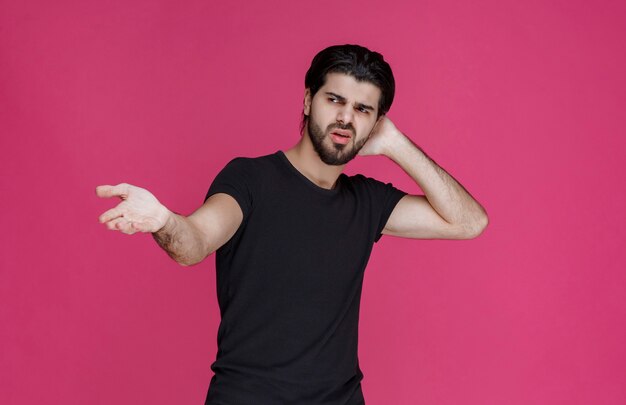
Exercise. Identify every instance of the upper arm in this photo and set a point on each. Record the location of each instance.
(414, 217)
(217, 220)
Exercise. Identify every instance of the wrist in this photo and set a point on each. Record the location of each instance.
(396, 142)
(166, 219)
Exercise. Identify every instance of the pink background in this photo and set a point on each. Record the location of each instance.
(522, 102)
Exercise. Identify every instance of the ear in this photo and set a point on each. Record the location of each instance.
(307, 101)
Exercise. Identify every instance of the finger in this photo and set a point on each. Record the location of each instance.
(107, 191)
(138, 227)
(113, 213)
(112, 225)
(125, 226)
(128, 230)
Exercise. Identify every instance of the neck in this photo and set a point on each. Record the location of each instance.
(304, 158)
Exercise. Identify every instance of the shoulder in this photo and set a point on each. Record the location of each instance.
(243, 179)
(368, 184)
(249, 168)
(375, 190)
(251, 163)
(361, 179)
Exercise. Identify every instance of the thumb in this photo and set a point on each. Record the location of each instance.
(107, 191)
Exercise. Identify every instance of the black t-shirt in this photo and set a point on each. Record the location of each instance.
(289, 284)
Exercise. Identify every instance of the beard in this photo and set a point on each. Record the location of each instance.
(335, 154)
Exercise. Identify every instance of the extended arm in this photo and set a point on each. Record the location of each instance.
(187, 240)
(446, 211)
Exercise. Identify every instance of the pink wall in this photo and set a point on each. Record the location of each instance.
(523, 102)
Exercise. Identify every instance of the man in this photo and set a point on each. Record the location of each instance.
(293, 236)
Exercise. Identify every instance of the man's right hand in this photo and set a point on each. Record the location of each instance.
(139, 210)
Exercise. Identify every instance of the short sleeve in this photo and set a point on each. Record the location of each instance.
(388, 196)
(236, 180)
(379, 199)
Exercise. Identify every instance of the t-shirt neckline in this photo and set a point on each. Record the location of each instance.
(306, 180)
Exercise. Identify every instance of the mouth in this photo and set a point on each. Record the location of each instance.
(342, 133)
(341, 137)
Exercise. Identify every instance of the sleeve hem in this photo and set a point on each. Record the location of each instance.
(388, 211)
(245, 209)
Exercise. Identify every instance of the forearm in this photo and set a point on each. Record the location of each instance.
(447, 196)
(181, 240)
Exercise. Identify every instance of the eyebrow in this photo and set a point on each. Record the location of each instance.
(341, 98)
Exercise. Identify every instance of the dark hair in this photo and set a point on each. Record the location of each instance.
(354, 60)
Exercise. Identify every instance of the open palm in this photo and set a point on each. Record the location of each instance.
(139, 211)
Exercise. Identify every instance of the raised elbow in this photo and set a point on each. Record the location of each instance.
(478, 227)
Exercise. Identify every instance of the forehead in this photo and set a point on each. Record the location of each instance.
(354, 91)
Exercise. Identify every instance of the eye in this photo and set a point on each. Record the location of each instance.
(363, 110)
(333, 99)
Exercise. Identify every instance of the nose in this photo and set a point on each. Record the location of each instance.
(345, 114)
